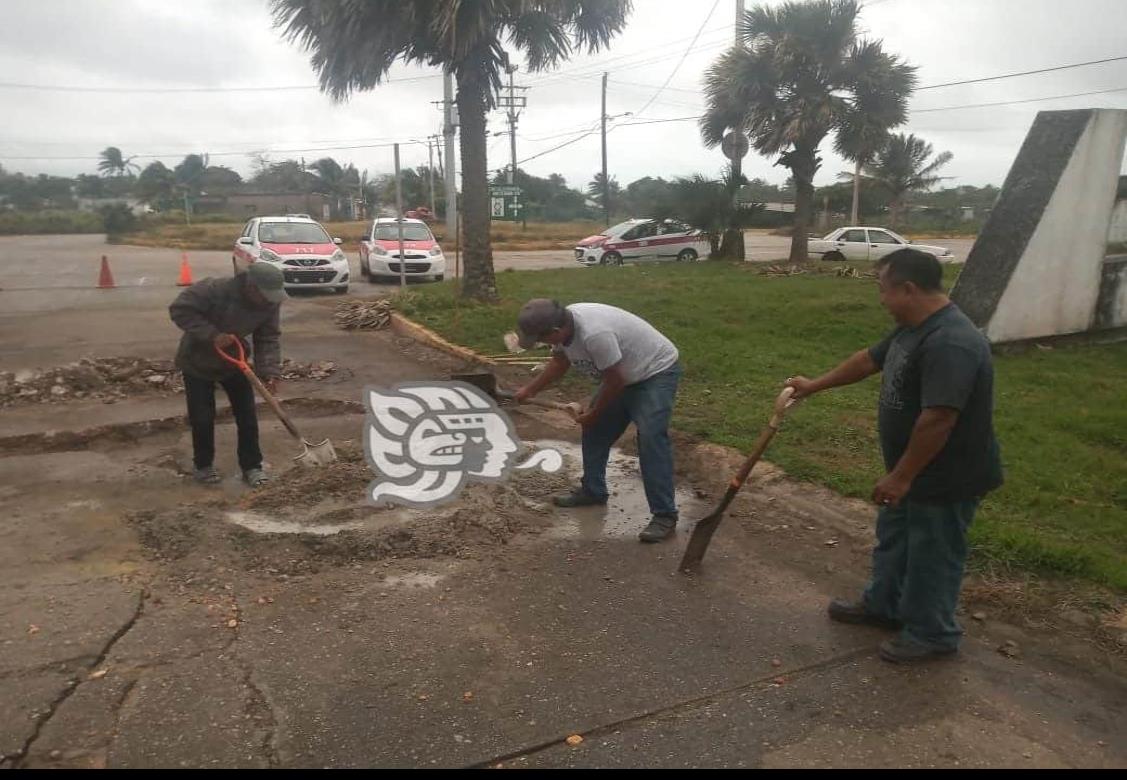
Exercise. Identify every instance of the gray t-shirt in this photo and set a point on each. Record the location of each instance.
(606, 335)
(946, 362)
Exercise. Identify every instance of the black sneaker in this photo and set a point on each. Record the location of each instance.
(661, 527)
(578, 497)
(907, 651)
(854, 612)
(206, 476)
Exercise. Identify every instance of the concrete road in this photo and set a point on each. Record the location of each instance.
(144, 624)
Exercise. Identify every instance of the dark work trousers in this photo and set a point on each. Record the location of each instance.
(201, 414)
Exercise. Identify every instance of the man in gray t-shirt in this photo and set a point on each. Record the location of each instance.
(637, 370)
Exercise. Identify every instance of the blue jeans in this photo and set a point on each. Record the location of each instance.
(649, 405)
(918, 568)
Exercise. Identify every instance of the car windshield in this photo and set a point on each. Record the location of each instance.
(389, 232)
(292, 233)
(619, 229)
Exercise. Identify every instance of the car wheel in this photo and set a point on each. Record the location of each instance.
(364, 273)
(340, 290)
(611, 258)
(234, 267)
(687, 256)
(834, 257)
(439, 277)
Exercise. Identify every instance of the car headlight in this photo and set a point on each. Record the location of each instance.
(338, 256)
(379, 250)
(435, 252)
(269, 256)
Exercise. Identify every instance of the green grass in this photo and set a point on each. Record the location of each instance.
(1061, 413)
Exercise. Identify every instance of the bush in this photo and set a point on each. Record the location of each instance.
(118, 219)
(16, 223)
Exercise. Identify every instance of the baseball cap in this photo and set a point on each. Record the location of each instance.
(269, 280)
(537, 318)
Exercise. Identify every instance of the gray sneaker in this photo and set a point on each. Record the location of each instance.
(206, 476)
(255, 477)
(661, 527)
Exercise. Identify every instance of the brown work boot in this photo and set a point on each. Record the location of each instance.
(578, 497)
(661, 527)
(854, 612)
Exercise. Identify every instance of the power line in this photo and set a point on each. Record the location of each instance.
(1016, 102)
(1023, 73)
(182, 90)
(242, 153)
(681, 61)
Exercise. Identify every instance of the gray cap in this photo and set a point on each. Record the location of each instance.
(269, 280)
(537, 318)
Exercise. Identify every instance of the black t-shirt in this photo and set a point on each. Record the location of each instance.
(944, 361)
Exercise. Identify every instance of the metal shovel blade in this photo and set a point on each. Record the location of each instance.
(321, 454)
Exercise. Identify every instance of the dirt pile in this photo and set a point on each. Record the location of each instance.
(116, 378)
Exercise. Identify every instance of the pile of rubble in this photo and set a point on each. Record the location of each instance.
(113, 379)
(363, 315)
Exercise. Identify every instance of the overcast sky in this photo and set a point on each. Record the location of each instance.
(162, 45)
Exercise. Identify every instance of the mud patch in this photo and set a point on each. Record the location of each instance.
(312, 517)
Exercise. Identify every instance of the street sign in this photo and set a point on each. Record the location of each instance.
(505, 203)
(735, 146)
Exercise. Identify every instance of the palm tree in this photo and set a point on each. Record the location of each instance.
(883, 85)
(709, 205)
(114, 163)
(798, 75)
(355, 42)
(902, 168)
(613, 192)
(334, 181)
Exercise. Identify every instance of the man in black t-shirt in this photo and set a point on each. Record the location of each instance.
(937, 437)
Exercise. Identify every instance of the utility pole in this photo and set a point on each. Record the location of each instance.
(399, 223)
(606, 180)
(513, 103)
(430, 173)
(448, 125)
(438, 150)
(739, 21)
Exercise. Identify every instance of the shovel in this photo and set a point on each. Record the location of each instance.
(487, 383)
(311, 454)
(702, 533)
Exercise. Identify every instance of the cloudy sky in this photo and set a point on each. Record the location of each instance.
(164, 79)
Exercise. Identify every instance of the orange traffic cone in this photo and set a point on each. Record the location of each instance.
(105, 278)
(185, 271)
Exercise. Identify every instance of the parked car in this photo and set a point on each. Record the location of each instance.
(868, 243)
(379, 251)
(642, 240)
(300, 246)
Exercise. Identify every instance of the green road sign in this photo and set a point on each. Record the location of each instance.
(504, 203)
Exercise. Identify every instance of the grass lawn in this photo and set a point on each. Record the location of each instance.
(1061, 413)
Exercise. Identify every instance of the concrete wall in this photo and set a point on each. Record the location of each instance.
(1038, 266)
(1118, 232)
(1111, 307)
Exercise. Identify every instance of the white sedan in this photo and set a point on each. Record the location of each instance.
(299, 246)
(868, 243)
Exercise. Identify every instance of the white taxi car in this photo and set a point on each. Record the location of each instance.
(379, 251)
(868, 243)
(298, 245)
(641, 240)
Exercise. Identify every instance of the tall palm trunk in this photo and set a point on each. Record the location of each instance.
(803, 165)
(855, 212)
(477, 251)
(894, 208)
